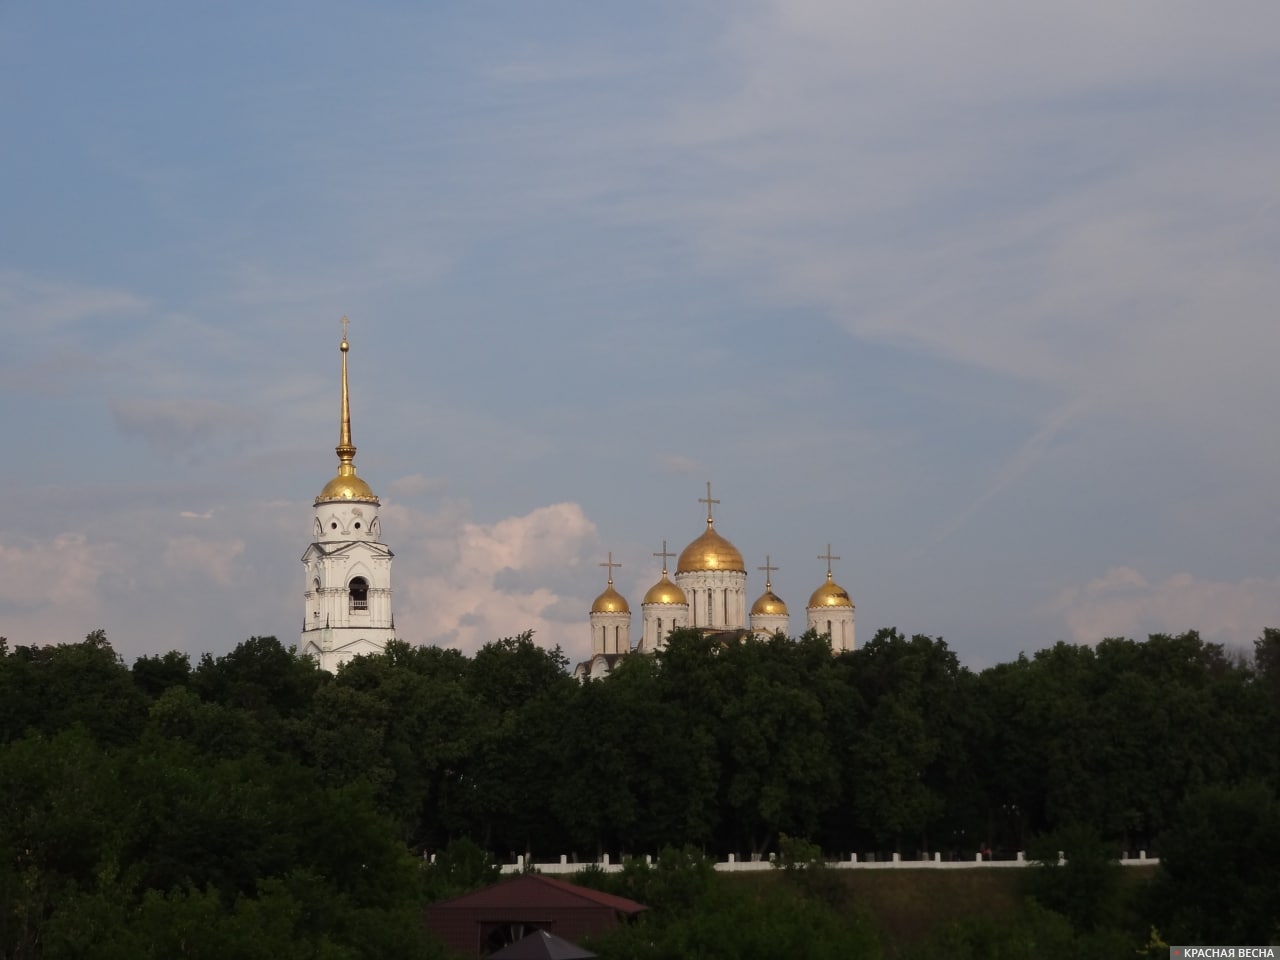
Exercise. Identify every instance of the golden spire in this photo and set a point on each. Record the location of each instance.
(346, 450)
(346, 485)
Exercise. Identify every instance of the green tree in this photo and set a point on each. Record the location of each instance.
(1219, 879)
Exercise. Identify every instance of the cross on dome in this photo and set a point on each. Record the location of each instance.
(708, 501)
(610, 564)
(768, 569)
(828, 556)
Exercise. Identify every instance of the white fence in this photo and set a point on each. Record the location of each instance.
(732, 865)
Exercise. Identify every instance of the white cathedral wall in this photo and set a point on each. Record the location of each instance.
(659, 619)
(727, 598)
(837, 622)
(610, 633)
(767, 624)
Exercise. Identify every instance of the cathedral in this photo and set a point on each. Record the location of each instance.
(347, 576)
(708, 592)
(347, 603)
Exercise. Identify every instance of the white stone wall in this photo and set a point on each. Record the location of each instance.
(767, 624)
(342, 520)
(835, 622)
(657, 621)
(717, 598)
(610, 633)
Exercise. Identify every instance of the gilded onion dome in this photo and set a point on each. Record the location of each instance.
(769, 605)
(611, 601)
(346, 485)
(664, 591)
(830, 594)
(710, 552)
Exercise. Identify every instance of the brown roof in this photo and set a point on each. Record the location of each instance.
(536, 890)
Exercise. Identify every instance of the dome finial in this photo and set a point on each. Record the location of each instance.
(768, 569)
(708, 501)
(611, 565)
(828, 557)
(664, 554)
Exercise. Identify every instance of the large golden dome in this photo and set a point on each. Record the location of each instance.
(710, 552)
(769, 605)
(611, 601)
(347, 487)
(664, 591)
(830, 594)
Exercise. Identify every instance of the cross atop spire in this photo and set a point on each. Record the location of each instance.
(611, 565)
(828, 556)
(768, 569)
(664, 554)
(708, 501)
(345, 321)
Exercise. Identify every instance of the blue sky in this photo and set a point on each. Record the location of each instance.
(984, 295)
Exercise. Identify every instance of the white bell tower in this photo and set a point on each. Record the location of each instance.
(347, 599)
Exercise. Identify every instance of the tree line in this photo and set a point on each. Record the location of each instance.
(297, 805)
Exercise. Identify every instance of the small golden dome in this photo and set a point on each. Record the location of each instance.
(769, 605)
(710, 552)
(664, 591)
(611, 601)
(830, 594)
(347, 487)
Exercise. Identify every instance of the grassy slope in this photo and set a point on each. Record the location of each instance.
(907, 904)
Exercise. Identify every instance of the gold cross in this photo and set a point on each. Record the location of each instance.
(610, 565)
(708, 501)
(828, 557)
(768, 569)
(345, 321)
(664, 554)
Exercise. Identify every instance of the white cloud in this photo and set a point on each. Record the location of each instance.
(463, 584)
(62, 571)
(207, 559)
(1123, 603)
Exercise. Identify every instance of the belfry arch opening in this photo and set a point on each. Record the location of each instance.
(358, 594)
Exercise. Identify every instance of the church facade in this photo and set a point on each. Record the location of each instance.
(347, 567)
(708, 592)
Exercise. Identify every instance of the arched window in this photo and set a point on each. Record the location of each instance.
(358, 592)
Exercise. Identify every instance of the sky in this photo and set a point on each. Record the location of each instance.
(983, 295)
